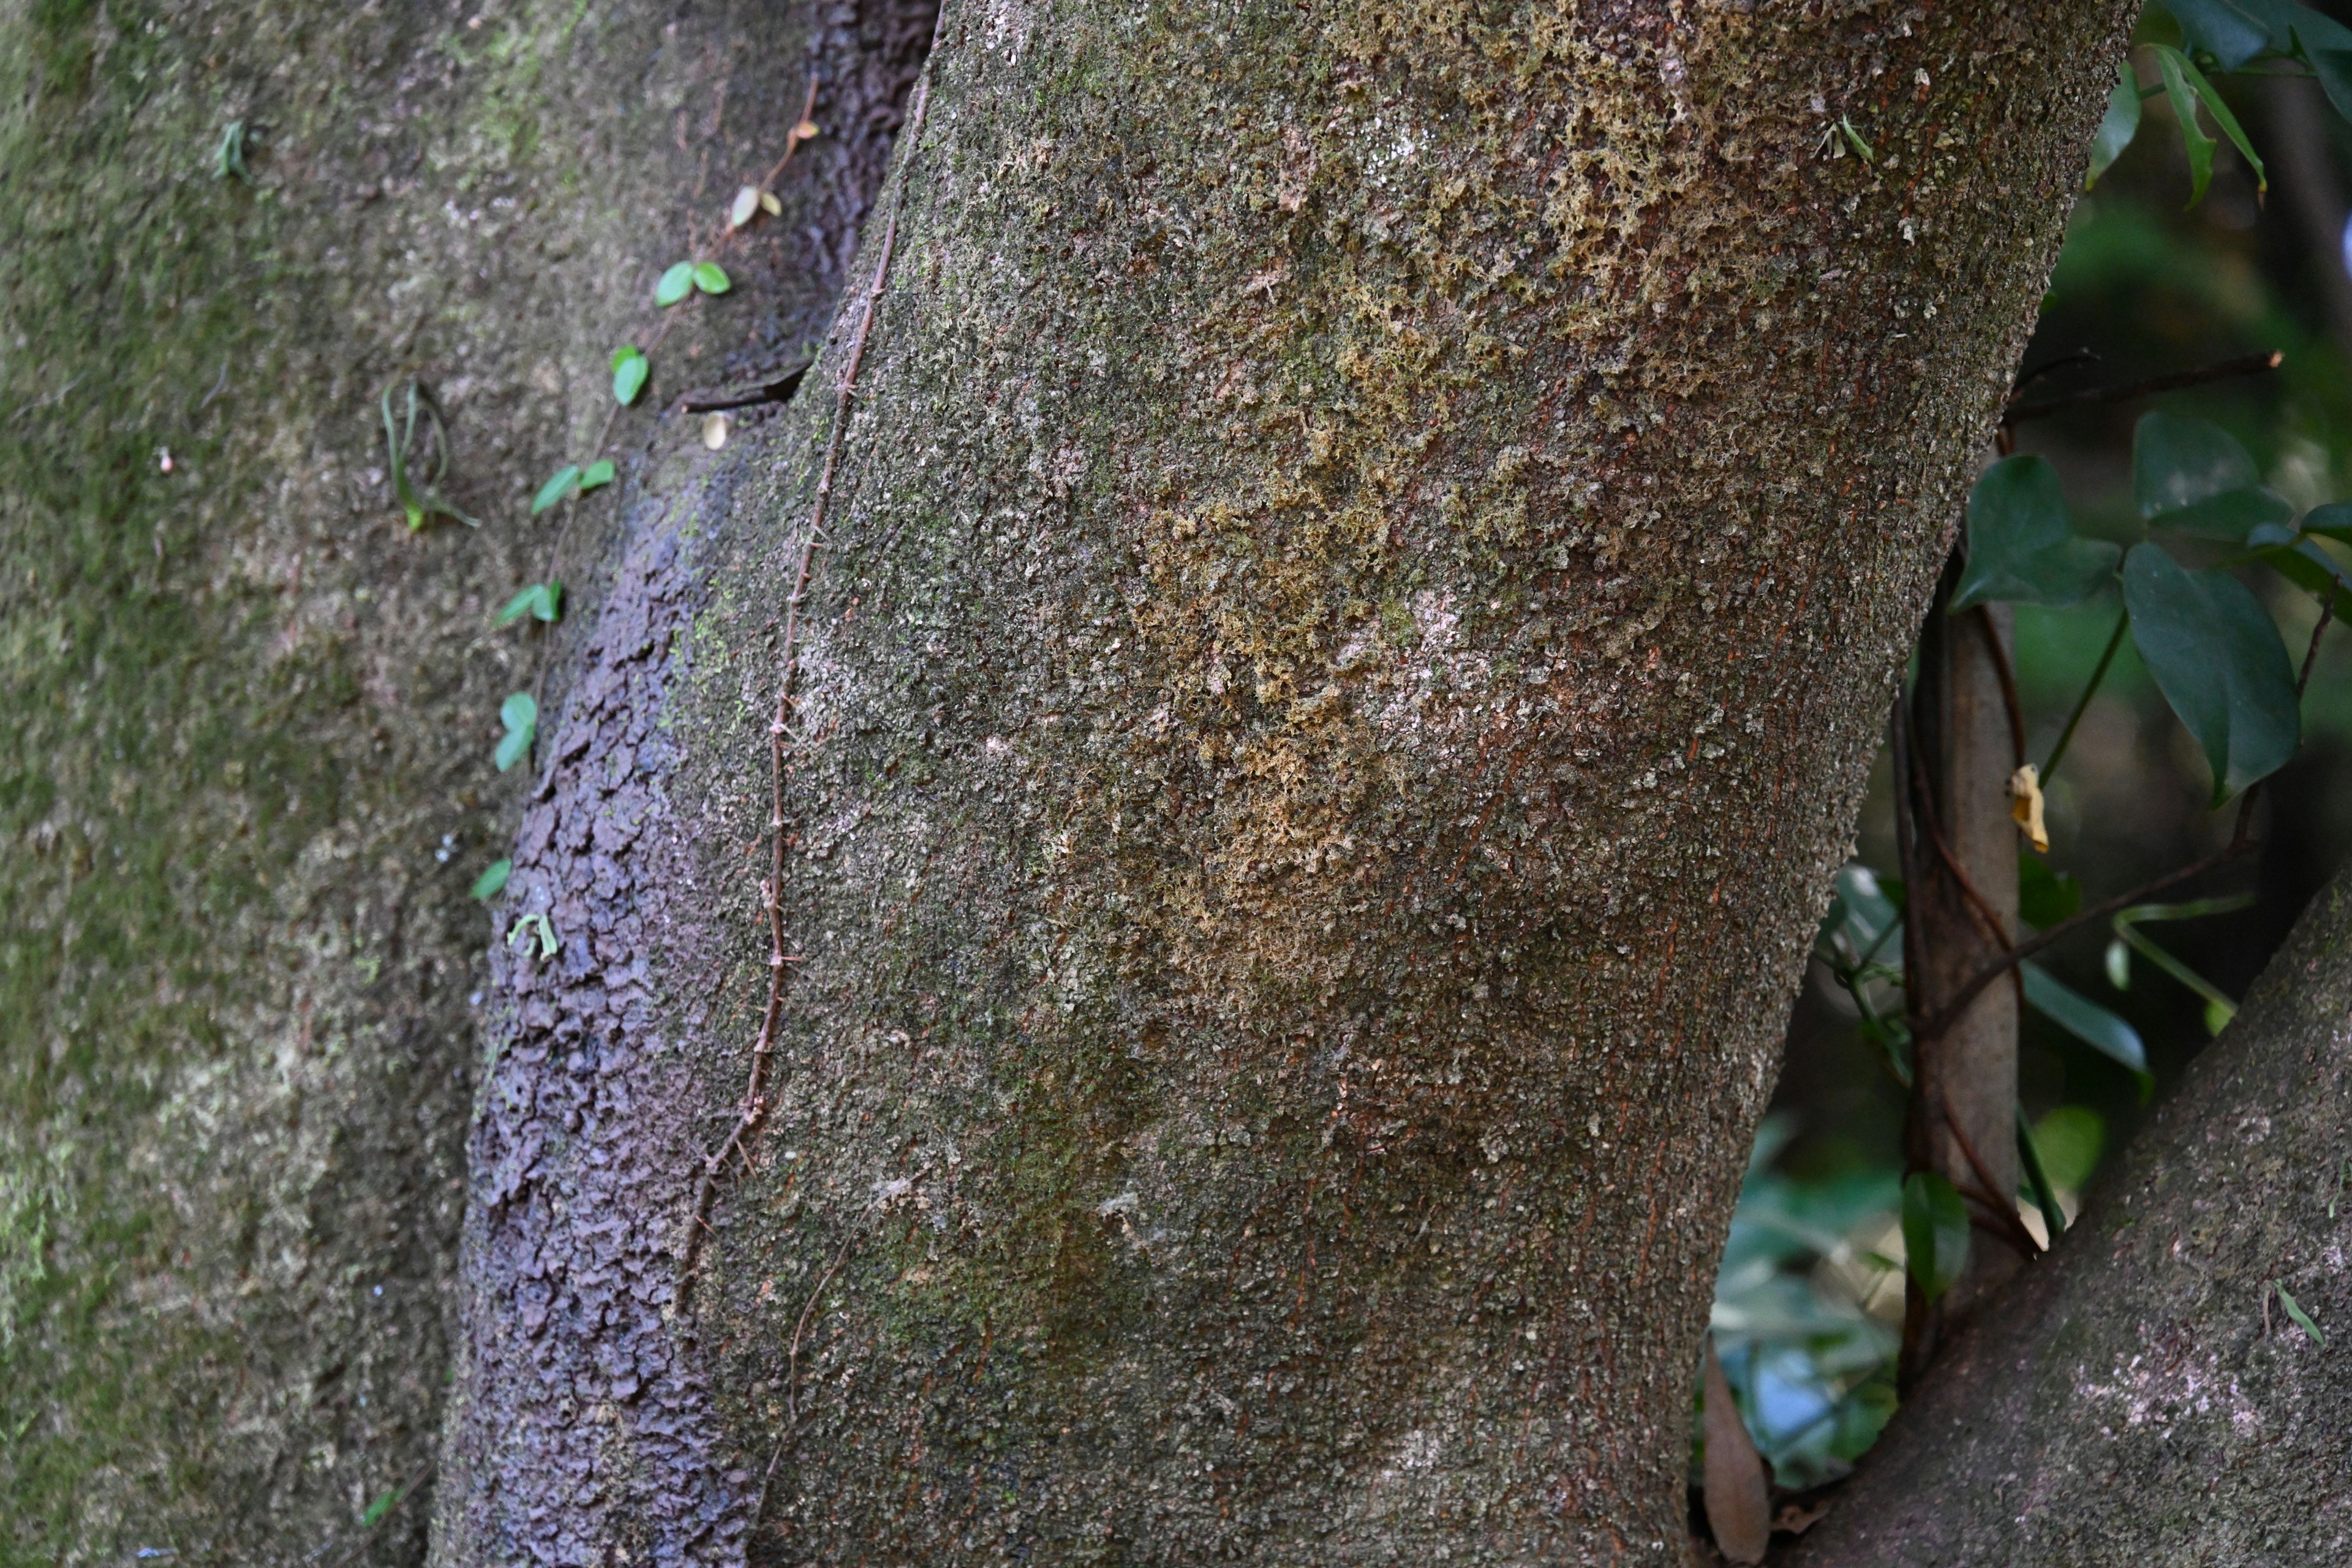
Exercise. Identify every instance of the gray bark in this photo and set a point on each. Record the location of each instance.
(244, 713)
(1363, 568)
(2143, 1394)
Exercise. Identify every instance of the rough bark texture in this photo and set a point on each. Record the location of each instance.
(2144, 1395)
(246, 718)
(1370, 549)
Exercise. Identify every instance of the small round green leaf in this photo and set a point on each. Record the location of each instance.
(597, 474)
(675, 284)
(1934, 1232)
(711, 277)
(630, 370)
(556, 488)
(493, 880)
(2217, 657)
(519, 714)
(2021, 545)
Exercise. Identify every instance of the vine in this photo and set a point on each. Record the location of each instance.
(752, 1110)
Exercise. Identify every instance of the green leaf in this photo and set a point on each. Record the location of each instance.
(531, 925)
(1934, 1232)
(2217, 657)
(2084, 1019)
(2199, 146)
(519, 714)
(2193, 475)
(1853, 140)
(2117, 962)
(2333, 520)
(2069, 1139)
(2303, 564)
(2227, 119)
(493, 880)
(597, 474)
(2118, 127)
(675, 284)
(2302, 1319)
(377, 1509)
(229, 158)
(2045, 897)
(2227, 32)
(2021, 545)
(629, 373)
(711, 277)
(556, 488)
(540, 600)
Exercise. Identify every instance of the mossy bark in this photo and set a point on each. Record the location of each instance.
(2144, 1394)
(246, 716)
(1370, 550)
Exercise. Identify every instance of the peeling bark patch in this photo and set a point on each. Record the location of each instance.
(589, 1417)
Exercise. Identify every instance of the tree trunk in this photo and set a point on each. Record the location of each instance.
(246, 717)
(1368, 553)
(1349, 610)
(2146, 1393)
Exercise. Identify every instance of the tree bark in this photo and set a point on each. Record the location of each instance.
(1360, 575)
(2145, 1394)
(246, 717)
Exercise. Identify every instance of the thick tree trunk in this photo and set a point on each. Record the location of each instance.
(246, 718)
(1362, 570)
(2145, 1394)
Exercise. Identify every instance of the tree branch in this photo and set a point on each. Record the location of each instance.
(2245, 365)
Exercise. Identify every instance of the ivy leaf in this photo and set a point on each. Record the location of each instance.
(377, 1509)
(519, 714)
(553, 492)
(711, 277)
(229, 158)
(2193, 475)
(2227, 32)
(596, 475)
(629, 371)
(2084, 1019)
(2301, 563)
(1934, 1232)
(675, 284)
(2118, 127)
(745, 206)
(540, 600)
(2218, 660)
(2069, 1140)
(493, 880)
(2021, 545)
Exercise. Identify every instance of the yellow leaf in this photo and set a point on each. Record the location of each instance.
(770, 205)
(747, 202)
(806, 131)
(2025, 806)
(714, 431)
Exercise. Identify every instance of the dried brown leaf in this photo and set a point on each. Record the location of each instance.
(1739, 1506)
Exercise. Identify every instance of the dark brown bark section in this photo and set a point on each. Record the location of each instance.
(2143, 1395)
(1369, 554)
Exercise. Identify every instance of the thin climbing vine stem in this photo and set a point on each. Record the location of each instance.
(2083, 703)
(753, 1108)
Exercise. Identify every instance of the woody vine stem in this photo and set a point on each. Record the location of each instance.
(753, 1108)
